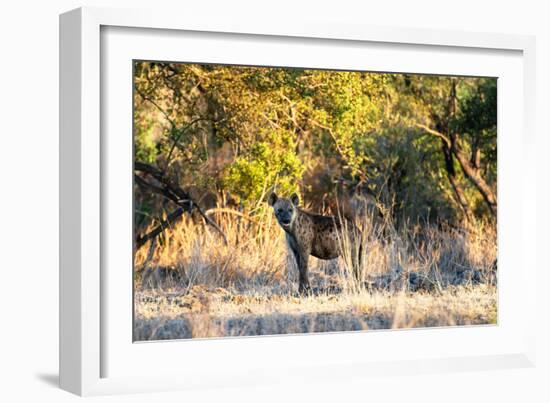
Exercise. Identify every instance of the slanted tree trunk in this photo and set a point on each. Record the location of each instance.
(450, 143)
(455, 184)
(163, 186)
(473, 174)
(469, 164)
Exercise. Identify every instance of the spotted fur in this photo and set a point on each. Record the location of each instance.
(311, 234)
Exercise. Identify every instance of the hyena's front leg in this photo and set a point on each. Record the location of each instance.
(303, 287)
(302, 258)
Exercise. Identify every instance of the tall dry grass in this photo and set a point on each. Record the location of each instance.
(195, 285)
(256, 254)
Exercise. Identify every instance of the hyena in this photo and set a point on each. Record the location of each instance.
(313, 234)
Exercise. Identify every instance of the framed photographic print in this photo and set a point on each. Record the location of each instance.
(243, 202)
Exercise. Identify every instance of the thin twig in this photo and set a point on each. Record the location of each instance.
(434, 133)
(177, 139)
(152, 102)
(172, 192)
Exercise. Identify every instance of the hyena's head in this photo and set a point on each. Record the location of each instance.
(285, 209)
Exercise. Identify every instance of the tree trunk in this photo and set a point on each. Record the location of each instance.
(457, 188)
(172, 192)
(475, 177)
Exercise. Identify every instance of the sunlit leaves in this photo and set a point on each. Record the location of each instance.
(269, 164)
(247, 130)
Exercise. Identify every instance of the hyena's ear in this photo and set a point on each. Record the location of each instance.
(295, 199)
(272, 199)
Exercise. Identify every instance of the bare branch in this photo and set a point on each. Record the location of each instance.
(152, 102)
(230, 211)
(177, 139)
(172, 217)
(434, 133)
(172, 192)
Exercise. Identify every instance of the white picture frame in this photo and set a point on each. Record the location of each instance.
(97, 357)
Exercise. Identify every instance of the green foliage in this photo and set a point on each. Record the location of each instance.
(246, 130)
(347, 104)
(145, 147)
(270, 163)
(478, 122)
(404, 172)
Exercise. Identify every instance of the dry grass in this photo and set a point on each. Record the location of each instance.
(193, 285)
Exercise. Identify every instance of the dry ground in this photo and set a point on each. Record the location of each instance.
(192, 285)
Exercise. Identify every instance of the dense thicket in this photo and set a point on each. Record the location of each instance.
(422, 147)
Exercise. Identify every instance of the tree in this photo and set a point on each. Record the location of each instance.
(461, 115)
(424, 146)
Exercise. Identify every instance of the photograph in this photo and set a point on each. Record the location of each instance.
(275, 200)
